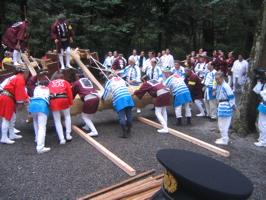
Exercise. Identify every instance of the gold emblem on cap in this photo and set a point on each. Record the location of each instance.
(169, 182)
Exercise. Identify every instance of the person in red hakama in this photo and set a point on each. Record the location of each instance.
(13, 97)
(84, 88)
(62, 34)
(162, 99)
(61, 98)
(195, 87)
(15, 40)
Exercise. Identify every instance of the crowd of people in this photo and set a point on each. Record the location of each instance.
(208, 82)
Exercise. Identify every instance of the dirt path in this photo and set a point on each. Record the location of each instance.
(72, 170)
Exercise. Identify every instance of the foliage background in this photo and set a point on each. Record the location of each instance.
(102, 25)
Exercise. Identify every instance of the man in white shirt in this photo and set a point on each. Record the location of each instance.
(108, 60)
(142, 59)
(154, 72)
(131, 73)
(239, 70)
(201, 67)
(167, 60)
(114, 57)
(135, 57)
(147, 63)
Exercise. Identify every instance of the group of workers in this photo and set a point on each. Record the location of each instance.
(210, 83)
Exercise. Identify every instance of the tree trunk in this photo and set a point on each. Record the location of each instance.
(245, 121)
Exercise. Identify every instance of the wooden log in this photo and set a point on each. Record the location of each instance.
(28, 64)
(144, 195)
(130, 180)
(188, 138)
(133, 191)
(120, 163)
(123, 188)
(76, 57)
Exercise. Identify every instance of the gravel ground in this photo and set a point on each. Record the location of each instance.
(75, 169)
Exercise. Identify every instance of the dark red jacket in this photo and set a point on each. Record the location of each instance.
(17, 32)
(195, 87)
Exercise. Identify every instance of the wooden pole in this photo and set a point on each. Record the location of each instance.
(130, 180)
(123, 188)
(76, 57)
(188, 138)
(144, 195)
(120, 163)
(28, 64)
(132, 191)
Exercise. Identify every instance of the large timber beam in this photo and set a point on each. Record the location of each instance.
(76, 57)
(112, 157)
(188, 138)
(28, 64)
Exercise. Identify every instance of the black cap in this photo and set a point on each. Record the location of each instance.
(192, 176)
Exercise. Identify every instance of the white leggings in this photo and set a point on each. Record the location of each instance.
(16, 56)
(8, 126)
(161, 114)
(178, 111)
(224, 124)
(39, 124)
(262, 127)
(61, 54)
(199, 105)
(58, 124)
(87, 120)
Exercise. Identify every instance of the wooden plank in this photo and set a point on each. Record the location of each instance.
(120, 163)
(133, 191)
(188, 138)
(144, 195)
(158, 177)
(28, 64)
(123, 188)
(130, 180)
(76, 57)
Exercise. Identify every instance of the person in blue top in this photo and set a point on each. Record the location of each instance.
(117, 90)
(209, 92)
(226, 106)
(181, 94)
(179, 70)
(131, 73)
(39, 108)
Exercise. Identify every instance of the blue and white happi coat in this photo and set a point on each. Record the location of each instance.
(210, 84)
(179, 90)
(260, 89)
(180, 72)
(116, 88)
(131, 73)
(40, 100)
(226, 99)
(155, 73)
